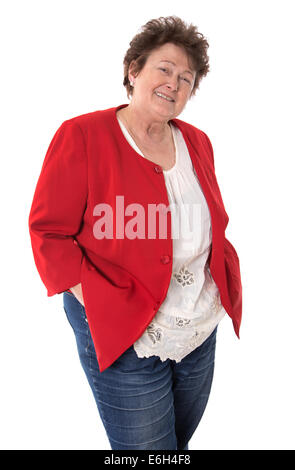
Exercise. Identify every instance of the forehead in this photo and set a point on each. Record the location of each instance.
(172, 53)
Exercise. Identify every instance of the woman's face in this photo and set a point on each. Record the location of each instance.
(166, 71)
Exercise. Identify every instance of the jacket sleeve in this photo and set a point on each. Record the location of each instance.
(58, 205)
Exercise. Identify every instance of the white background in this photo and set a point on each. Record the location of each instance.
(63, 58)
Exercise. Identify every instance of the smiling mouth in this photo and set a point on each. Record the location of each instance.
(161, 95)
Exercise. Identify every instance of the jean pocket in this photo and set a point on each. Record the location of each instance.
(75, 313)
(74, 297)
(69, 293)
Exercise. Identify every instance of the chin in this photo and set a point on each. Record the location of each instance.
(164, 112)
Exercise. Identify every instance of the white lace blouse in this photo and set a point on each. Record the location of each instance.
(192, 307)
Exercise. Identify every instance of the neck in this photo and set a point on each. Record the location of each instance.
(146, 128)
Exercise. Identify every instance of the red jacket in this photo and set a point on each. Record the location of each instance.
(124, 281)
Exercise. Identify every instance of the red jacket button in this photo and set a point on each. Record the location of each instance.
(165, 259)
(158, 169)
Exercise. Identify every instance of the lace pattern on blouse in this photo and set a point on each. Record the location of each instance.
(173, 337)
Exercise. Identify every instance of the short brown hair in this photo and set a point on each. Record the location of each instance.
(158, 32)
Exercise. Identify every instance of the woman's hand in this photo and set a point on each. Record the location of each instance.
(77, 291)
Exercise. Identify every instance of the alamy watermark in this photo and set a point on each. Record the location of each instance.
(186, 221)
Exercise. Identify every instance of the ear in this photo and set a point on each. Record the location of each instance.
(132, 71)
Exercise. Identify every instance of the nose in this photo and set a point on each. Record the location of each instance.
(173, 84)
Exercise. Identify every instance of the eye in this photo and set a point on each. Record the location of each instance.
(186, 80)
(164, 70)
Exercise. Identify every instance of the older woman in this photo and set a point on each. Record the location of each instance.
(144, 303)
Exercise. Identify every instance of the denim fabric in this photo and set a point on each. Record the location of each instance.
(144, 403)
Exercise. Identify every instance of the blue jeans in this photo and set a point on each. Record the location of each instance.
(144, 403)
